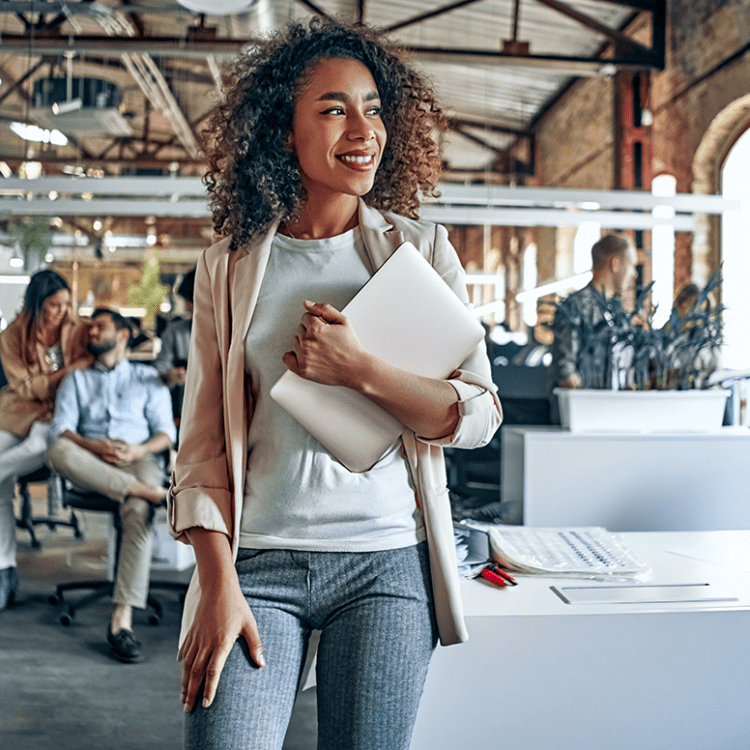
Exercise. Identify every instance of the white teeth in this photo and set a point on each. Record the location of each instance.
(357, 159)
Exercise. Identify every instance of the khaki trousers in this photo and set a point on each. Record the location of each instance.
(88, 472)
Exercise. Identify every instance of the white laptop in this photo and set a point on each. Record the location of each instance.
(410, 317)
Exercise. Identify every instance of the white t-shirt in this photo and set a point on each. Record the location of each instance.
(297, 495)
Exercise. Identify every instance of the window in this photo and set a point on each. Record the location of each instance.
(735, 254)
(662, 251)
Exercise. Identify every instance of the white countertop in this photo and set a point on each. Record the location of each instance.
(547, 431)
(720, 559)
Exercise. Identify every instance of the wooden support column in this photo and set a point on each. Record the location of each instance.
(632, 136)
(633, 154)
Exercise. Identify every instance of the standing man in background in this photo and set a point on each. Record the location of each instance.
(614, 260)
(171, 362)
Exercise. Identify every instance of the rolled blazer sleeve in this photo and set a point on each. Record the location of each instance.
(200, 491)
(479, 409)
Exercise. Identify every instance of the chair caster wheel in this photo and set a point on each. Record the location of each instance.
(54, 599)
(36, 544)
(66, 619)
(154, 619)
(78, 534)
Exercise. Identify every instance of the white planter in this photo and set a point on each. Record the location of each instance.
(591, 410)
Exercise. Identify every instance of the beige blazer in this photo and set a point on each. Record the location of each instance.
(209, 477)
(29, 397)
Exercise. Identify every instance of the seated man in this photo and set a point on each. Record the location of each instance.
(111, 422)
(614, 260)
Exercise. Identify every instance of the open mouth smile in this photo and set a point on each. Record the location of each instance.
(359, 162)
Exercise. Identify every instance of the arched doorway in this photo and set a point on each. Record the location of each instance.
(708, 162)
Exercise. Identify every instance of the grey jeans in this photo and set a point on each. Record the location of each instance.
(378, 631)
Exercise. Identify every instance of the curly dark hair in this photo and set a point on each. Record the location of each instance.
(253, 177)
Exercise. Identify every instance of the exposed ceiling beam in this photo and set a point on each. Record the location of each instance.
(578, 66)
(647, 5)
(314, 8)
(134, 18)
(614, 35)
(103, 45)
(85, 8)
(17, 85)
(97, 9)
(479, 141)
(146, 73)
(199, 48)
(430, 14)
(492, 127)
(213, 66)
(145, 162)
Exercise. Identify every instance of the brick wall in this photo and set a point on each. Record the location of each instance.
(698, 112)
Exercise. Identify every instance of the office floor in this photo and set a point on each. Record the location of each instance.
(59, 687)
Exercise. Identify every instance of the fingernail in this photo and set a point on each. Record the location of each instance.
(206, 703)
(307, 302)
(261, 660)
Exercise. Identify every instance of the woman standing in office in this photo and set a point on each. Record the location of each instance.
(320, 148)
(37, 350)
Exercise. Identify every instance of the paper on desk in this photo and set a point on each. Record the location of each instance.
(571, 552)
(731, 553)
(472, 550)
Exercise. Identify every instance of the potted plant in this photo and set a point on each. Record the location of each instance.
(637, 377)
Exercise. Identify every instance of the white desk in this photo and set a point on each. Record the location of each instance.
(539, 674)
(628, 482)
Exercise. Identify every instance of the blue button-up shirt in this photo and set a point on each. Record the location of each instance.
(129, 403)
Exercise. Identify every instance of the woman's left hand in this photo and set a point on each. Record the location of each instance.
(326, 347)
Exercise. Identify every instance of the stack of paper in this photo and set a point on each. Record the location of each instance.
(580, 552)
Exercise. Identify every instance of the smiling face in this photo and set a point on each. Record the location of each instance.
(337, 132)
(55, 307)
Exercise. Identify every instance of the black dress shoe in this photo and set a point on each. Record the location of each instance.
(124, 646)
(8, 586)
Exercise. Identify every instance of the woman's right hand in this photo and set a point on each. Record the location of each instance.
(222, 616)
(81, 363)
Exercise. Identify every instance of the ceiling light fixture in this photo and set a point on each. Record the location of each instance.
(218, 7)
(61, 108)
(38, 135)
(16, 261)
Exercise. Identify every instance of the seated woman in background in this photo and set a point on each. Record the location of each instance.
(37, 350)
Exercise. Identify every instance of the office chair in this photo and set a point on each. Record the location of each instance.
(27, 521)
(93, 501)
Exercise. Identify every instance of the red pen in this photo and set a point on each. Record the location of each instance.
(493, 577)
(499, 571)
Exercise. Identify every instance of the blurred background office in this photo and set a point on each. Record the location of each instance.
(569, 121)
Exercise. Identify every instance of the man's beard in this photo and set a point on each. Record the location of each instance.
(98, 349)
